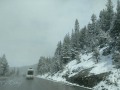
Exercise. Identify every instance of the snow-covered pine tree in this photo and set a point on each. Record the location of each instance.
(58, 49)
(73, 45)
(82, 39)
(102, 37)
(106, 16)
(55, 65)
(58, 53)
(48, 65)
(94, 31)
(75, 40)
(4, 67)
(41, 65)
(95, 36)
(91, 33)
(109, 14)
(102, 20)
(115, 31)
(66, 49)
(77, 29)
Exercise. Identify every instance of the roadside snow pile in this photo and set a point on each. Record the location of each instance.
(55, 77)
(112, 82)
(43, 76)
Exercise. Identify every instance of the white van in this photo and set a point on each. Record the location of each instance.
(30, 74)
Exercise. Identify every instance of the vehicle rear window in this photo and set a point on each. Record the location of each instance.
(30, 72)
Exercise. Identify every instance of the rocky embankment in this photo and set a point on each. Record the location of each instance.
(83, 78)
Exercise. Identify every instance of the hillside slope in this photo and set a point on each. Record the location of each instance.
(101, 75)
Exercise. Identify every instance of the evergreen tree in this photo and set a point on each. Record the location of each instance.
(41, 65)
(106, 16)
(4, 67)
(48, 65)
(73, 45)
(115, 31)
(109, 14)
(58, 55)
(102, 20)
(93, 19)
(92, 33)
(75, 40)
(58, 51)
(93, 25)
(77, 28)
(66, 49)
(82, 39)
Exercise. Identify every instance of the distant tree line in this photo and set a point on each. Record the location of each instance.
(98, 33)
(50, 65)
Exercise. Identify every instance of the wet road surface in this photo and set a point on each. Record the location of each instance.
(21, 83)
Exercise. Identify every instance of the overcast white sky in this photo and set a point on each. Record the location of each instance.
(32, 28)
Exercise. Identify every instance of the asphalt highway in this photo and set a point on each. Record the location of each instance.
(21, 83)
